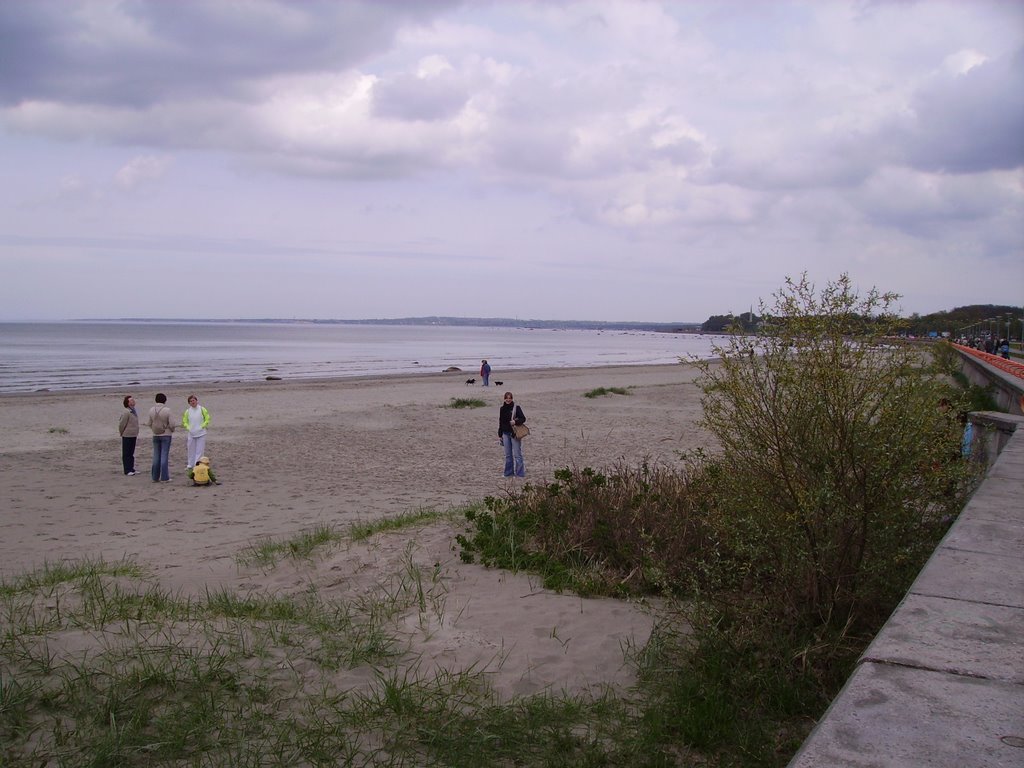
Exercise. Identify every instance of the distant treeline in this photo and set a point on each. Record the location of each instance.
(983, 316)
(994, 316)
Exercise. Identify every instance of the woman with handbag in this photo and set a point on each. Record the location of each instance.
(512, 420)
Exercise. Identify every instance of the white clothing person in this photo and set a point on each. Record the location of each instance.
(195, 419)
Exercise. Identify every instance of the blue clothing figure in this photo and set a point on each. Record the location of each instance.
(966, 443)
(485, 372)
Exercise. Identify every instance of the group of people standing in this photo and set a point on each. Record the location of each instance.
(195, 420)
(991, 345)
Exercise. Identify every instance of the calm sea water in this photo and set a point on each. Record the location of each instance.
(76, 355)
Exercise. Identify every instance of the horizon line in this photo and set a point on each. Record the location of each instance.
(421, 319)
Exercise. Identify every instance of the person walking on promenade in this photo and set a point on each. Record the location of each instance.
(195, 419)
(128, 427)
(485, 372)
(160, 421)
(511, 415)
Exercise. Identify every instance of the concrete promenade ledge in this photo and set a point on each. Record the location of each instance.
(1004, 378)
(942, 685)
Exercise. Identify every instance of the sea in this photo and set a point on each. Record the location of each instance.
(55, 356)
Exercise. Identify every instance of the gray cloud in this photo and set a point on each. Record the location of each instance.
(931, 206)
(971, 122)
(407, 97)
(142, 52)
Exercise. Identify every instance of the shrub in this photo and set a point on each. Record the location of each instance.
(466, 402)
(601, 391)
(633, 530)
(974, 396)
(946, 357)
(838, 464)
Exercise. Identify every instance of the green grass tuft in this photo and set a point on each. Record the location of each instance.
(466, 402)
(362, 531)
(267, 552)
(601, 391)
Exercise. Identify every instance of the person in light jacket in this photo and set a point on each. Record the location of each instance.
(195, 419)
(128, 427)
(162, 424)
(510, 414)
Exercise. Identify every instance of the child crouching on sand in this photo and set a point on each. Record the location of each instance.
(201, 474)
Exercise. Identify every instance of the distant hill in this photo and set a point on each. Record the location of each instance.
(506, 322)
(953, 321)
(982, 316)
(479, 322)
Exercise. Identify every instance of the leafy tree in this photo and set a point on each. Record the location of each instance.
(838, 466)
(717, 323)
(746, 321)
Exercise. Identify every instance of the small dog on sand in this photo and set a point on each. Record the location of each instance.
(470, 382)
(498, 383)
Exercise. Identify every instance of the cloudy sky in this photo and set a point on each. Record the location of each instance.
(606, 160)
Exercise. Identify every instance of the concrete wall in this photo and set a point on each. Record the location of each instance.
(942, 685)
(992, 431)
(1007, 388)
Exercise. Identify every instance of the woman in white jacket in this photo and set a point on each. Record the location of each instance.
(195, 419)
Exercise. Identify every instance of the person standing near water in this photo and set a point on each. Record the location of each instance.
(510, 414)
(162, 424)
(195, 419)
(485, 372)
(128, 427)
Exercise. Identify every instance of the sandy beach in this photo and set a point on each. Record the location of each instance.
(295, 455)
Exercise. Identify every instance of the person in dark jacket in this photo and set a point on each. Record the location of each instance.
(510, 414)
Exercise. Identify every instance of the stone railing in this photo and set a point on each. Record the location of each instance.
(1005, 377)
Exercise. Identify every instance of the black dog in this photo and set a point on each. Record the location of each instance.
(498, 383)
(470, 381)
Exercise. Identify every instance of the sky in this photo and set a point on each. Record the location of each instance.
(593, 160)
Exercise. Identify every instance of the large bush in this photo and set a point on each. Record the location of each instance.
(839, 466)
